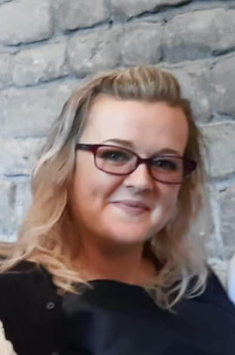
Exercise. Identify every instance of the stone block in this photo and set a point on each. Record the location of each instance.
(7, 204)
(123, 9)
(199, 34)
(25, 21)
(213, 239)
(222, 86)
(2, 1)
(31, 111)
(5, 69)
(220, 138)
(227, 208)
(141, 44)
(93, 52)
(74, 14)
(17, 156)
(193, 78)
(40, 64)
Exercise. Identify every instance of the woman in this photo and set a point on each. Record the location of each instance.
(104, 263)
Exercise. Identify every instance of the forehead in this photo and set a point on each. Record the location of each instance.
(147, 126)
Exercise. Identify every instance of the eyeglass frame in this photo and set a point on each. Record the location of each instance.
(147, 161)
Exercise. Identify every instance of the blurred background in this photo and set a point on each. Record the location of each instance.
(47, 47)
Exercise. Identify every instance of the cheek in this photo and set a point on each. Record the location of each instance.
(166, 204)
(92, 187)
(172, 194)
(171, 199)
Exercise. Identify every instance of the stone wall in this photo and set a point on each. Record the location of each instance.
(47, 47)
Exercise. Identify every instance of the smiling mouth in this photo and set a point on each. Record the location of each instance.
(132, 206)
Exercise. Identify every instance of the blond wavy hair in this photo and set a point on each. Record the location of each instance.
(182, 270)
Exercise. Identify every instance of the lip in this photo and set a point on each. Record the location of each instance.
(140, 205)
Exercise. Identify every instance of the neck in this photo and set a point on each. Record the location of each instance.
(120, 263)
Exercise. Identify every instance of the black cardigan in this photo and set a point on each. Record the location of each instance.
(113, 318)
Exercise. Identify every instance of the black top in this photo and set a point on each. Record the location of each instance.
(111, 318)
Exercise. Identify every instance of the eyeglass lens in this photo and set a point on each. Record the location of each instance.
(116, 160)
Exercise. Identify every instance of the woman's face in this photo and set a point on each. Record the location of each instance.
(126, 209)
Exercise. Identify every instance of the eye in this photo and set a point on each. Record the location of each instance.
(114, 155)
(169, 164)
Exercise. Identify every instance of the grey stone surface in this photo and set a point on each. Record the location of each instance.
(220, 140)
(7, 201)
(227, 208)
(23, 200)
(30, 112)
(203, 227)
(17, 156)
(141, 44)
(193, 78)
(213, 240)
(198, 34)
(93, 52)
(223, 86)
(41, 64)
(73, 14)
(130, 8)
(2, 1)
(5, 69)
(25, 21)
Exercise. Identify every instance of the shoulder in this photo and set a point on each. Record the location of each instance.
(231, 279)
(215, 296)
(23, 272)
(29, 304)
(213, 282)
(215, 289)
(25, 283)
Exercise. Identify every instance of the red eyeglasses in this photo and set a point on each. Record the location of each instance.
(168, 169)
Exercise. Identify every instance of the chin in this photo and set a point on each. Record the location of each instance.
(126, 234)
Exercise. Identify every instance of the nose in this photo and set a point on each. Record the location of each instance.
(140, 178)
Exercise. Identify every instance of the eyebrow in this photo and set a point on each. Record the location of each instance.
(130, 145)
(122, 142)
